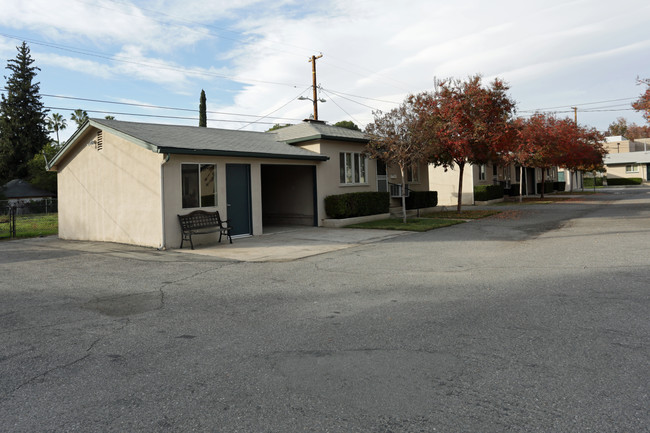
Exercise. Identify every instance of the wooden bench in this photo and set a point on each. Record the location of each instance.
(201, 222)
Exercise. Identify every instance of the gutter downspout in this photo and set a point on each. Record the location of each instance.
(163, 245)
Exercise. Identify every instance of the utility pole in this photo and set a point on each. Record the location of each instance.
(575, 114)
(313, 76)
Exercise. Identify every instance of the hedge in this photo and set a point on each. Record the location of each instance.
(488, 192)
(623, 181)
(421, 199)
(559, 186)
(356, 204)
(589, 181)
(514, 190)
(548, 187)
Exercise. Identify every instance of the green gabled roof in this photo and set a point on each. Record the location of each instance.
(314, 130)
(194, 140)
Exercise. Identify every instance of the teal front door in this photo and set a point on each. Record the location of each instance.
(238, 198)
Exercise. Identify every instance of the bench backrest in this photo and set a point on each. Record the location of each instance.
(199, 219)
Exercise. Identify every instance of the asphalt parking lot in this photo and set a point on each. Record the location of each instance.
(532, 320)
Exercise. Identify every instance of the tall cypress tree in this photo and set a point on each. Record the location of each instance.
(203, 118)
(23, 131)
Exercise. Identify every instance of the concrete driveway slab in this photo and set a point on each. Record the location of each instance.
(292, 244)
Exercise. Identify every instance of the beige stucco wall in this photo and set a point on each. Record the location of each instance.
(446, 183)
(328, 173)
(618, 170)
(112, 194)
(173, 184)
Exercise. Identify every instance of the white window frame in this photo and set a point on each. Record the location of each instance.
(353, 168)
(482, 169)
(198, 187)
(632, 168)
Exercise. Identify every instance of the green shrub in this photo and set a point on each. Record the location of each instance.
(548, 187)
(589, 181)
(421, 199)
(622, 181)
(488, 192)
(559, 186)
(356, 204)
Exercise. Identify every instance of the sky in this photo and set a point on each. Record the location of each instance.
(147, 61)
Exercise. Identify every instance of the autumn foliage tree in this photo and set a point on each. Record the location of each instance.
(579, 148)
(466, 123)
(395, 138)
(643, 103)
(544, 141)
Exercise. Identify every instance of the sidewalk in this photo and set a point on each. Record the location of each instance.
(291, 243)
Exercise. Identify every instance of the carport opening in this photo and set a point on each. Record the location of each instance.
(288, 196)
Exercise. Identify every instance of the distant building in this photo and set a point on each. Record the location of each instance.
(627, 158)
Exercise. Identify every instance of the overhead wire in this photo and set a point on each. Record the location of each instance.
(277, 109)
(341, 108)
(160, 116)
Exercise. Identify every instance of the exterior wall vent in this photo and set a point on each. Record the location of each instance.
(100, 141)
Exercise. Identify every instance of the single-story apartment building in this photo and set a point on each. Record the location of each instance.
(127, 182)
(628, 165)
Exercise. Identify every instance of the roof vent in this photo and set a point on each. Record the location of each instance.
(100, 141)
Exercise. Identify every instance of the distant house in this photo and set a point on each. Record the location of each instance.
(18, 190)
(627, 158)
(127, 182)
(510, 176)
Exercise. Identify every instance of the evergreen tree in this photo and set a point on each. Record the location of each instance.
(23, 131)
(203, 118)
(348, 124)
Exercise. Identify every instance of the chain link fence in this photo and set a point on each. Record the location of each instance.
(28, 218)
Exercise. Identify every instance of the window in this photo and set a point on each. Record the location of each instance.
(413, 174)
(632, 168)
(199, 185)
(353, 168)
(494, 170)
(481, 172)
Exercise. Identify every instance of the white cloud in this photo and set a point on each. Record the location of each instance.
(379, 49)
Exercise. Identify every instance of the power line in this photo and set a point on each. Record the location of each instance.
(577, 105)
(341, 108)
(279, 108)
(160, 116)
(361, 97)
(160, 107)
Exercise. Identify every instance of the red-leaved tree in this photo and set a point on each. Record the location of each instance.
(538, 142)
(643, 103)
(466, 122)
(580, 148)
(395, 138)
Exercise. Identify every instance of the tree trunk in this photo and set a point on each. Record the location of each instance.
(521, 183)
(571, 181)
(543, 177)
(461, 168)
(403, 170)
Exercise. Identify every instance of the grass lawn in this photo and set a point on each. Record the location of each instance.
(31, 226)
(412, 224)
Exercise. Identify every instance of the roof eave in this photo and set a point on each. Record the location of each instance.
(325, 137)
(72, 141)
(211, 152)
